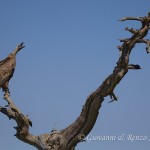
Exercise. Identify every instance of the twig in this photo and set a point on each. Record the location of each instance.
(131, 30)
(132, 66)
(131, 18)
(124, 40)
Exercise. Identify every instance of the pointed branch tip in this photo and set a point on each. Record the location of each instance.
(124, 40)
(130, 18)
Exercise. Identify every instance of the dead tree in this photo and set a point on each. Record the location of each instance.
(68, 138)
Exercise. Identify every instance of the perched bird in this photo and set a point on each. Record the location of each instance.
(7, 68)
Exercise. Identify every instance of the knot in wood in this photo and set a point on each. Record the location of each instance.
(56, 141)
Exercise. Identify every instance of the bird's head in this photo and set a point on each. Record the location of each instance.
(18, 48)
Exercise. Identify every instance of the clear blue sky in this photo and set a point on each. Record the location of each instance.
(70, 49)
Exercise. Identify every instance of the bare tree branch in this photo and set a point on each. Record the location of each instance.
(132, 66)
(23, 122)
(86, 120)
(131, 30)
(131, 18)
(147, 42)
(124, 40)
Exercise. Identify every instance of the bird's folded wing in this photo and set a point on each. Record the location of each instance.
(3, 61)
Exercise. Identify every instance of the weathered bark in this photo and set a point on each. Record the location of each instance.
(69, 137)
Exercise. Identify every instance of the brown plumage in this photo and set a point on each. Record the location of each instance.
(7, 68)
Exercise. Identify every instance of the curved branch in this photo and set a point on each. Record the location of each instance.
(86, 120)
(131, 18)
(23, 122)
